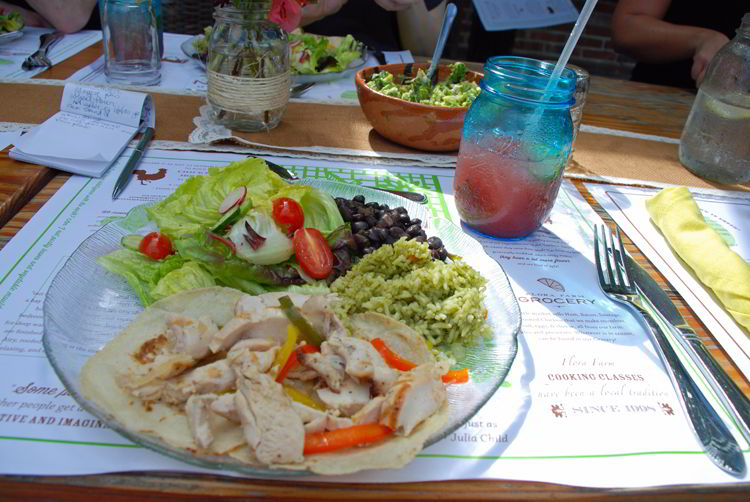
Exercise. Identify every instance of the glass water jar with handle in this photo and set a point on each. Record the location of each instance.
(515, 144)
(715, 142)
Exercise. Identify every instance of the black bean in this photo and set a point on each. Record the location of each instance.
(371, 220)
(420, 238)
(416, 221)
(381, 233)
(413, 230)
(387, 221)
(346, 213)
(379, 213)
(401, 210)
(397, 232)
(403, 219)
(357, 217)
(434, 243)
(439, 254)
(368, 250)
(361, 240)
(358, 226)
(359, 198)
(373, 205)
(373, 236)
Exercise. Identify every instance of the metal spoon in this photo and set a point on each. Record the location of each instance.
(290, 176)
(299, 89)
(448, 17)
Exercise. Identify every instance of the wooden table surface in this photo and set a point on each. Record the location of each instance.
(611, 103)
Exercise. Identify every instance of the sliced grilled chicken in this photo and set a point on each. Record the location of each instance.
(349, 400)
(214, 377)
(416, 395)
(197, 413)
(275, 429)
(189, 336)
(362, 360)
(329, 366)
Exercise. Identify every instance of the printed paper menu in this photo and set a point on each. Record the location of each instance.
(586, 402)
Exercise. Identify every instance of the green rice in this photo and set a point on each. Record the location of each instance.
(442, 301)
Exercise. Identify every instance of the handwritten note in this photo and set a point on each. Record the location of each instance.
(89, 132)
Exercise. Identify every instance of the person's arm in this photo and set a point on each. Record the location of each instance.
(638, 29)
(319, 10)
(67, 16)
(418, 27)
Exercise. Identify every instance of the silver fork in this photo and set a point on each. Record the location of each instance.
(713, 434)
(39, 58)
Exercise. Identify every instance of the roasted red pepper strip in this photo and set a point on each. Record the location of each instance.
(292, 362)
(456, 376)
(321, 442)
(396, 361)
(391, 358)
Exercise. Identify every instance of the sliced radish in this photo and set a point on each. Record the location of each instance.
(224, 241)
(235, 198)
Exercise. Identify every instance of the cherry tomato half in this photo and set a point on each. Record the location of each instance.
(156, 245)
(313, 252)
(288, 214)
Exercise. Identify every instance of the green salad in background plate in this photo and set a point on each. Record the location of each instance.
(10, 22)
(310, 55)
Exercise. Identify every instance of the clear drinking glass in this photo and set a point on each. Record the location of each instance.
(130, 31)
(515, 144)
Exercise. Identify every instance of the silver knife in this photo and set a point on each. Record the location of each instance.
(731, 397)
(133, 161)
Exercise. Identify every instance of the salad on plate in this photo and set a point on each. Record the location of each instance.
(309, 54)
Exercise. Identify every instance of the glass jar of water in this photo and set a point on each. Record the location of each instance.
(715, 142)
(515, 144)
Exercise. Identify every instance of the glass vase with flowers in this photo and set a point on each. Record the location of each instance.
(248, 67)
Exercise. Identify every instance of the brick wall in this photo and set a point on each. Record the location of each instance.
(593, 50)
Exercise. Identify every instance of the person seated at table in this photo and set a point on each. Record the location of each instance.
(386, 25)
(674, 41)
(68, 16)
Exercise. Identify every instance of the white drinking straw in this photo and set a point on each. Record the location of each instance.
(583, 18)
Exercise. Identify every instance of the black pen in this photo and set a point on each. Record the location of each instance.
(133, 161)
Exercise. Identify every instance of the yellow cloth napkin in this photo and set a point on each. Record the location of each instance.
(676, 214)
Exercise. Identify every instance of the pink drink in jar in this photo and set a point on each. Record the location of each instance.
(515, 143)
(506, 195)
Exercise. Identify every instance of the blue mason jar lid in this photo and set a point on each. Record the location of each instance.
(528, 80)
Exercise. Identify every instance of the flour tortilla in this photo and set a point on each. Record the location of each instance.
(153, 421)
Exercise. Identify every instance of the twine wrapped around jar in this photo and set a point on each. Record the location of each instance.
(248, 68)
(246, 94)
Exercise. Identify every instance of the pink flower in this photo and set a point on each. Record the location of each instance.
(287, 13)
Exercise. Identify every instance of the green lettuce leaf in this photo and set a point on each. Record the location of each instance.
(141, 272)
(190, 276)
(194, 206)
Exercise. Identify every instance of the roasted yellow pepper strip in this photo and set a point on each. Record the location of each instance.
(292, 333)
(303, 398)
